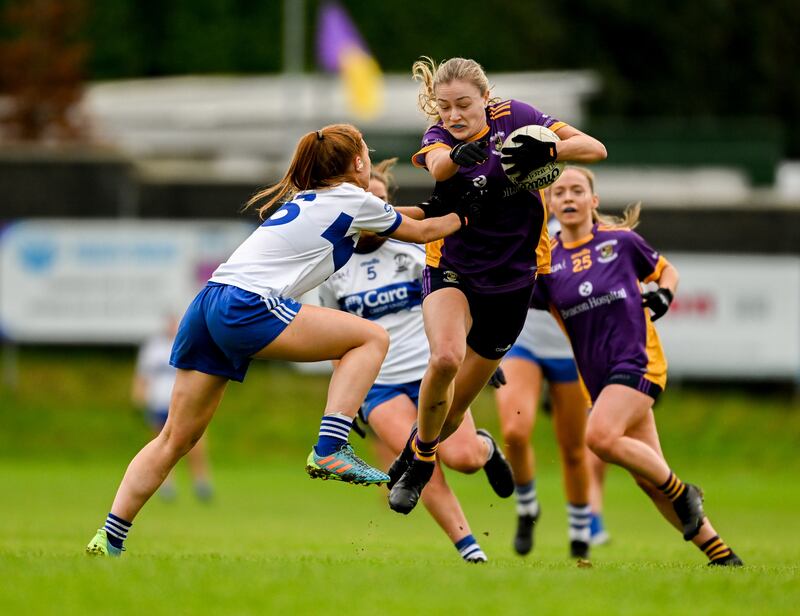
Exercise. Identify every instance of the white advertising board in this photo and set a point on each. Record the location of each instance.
(104, 281)
(734, 316)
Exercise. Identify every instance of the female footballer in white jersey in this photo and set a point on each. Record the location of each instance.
(312, 219)
(383, 283)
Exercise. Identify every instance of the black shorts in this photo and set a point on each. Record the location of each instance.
(497, 318)
(635, 381)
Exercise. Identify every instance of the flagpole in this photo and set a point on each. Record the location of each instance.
(293, 36)
(293, 63)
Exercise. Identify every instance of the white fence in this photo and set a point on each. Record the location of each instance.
(104, 281)
(734, 317)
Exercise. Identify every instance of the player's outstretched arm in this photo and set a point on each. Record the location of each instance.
(410, 211)
(428, 230)
(578, 147)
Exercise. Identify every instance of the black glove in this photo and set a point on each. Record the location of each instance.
(498, 379)
(435, 206)
(469, 206)
(455, 196)
(470, 154)
(658, 301)
(529, 155)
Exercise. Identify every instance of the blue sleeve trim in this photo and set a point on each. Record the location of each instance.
(394, 226)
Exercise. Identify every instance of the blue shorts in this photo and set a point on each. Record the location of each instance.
(379, 394)
(156, 418)
(555, 370)
(225, 326)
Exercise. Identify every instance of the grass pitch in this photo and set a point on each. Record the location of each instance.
(274, 541)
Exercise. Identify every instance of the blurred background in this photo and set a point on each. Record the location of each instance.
(132, 132)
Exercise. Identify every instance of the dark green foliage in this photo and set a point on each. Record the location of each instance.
(689, 59)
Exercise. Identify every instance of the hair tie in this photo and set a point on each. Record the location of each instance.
(319, 135)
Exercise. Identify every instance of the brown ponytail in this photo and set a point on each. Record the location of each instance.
(321, 159)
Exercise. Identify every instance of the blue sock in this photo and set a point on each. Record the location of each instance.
(116, 530)
(334, 430)
(470, 550)
(596, 524)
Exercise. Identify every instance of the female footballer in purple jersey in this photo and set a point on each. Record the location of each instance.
(477, 285)
(594, 290)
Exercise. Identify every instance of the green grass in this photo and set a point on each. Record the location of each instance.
(276, 542)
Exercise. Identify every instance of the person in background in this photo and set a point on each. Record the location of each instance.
(151, 390)
(383, 283)
(311, 221)
(542, 353)
(594, 290)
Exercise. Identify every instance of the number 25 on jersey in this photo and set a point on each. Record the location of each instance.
(581, 261)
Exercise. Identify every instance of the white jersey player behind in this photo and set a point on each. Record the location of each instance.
(383, 283)
(312, 219)
(152, 390)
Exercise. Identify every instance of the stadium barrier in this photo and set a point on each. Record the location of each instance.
(112, 281)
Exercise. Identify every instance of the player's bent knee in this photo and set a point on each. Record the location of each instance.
(446, 362)
(178, 443)
(465, 460)
(602, 445)
(516, 436)
(378, 336)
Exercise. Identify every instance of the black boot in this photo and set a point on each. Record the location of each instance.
(406, 492)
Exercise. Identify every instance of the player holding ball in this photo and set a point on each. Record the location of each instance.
(477, 284)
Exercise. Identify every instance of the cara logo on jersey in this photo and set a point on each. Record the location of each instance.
(376, 303)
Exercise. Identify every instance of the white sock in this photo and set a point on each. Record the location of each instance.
(527, 502)
(580, 518)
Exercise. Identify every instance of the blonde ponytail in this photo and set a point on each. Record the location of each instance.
(630, 217)
(430, 75)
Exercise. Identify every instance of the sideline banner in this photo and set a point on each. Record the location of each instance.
(101, 281)
(734, 316)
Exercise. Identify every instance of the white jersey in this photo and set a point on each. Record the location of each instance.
(152, 364)
(541, 335)
(305, 241)
(385, 286)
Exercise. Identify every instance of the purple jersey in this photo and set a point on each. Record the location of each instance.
(510, 244)
(594, 292)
